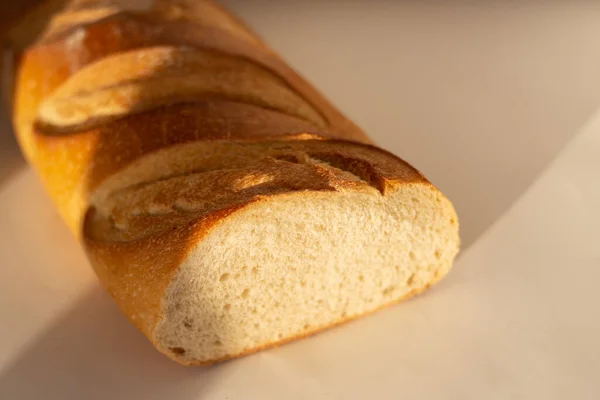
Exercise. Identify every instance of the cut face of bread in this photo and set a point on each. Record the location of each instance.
(218, 249)
(297, 263)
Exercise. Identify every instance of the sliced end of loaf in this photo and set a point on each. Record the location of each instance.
(293, 264)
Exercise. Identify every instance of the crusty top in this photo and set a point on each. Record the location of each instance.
(150, 121)
(100, 62)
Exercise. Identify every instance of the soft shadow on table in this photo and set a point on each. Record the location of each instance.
(94, 353)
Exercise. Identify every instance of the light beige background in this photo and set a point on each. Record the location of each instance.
(496, 103)
(465, 90)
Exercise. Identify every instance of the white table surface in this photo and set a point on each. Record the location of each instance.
(499, 105)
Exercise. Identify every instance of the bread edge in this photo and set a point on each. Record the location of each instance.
(440, 274)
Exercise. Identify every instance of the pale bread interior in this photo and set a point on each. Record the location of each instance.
(297, 263)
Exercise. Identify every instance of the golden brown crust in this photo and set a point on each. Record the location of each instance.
(49, 64)
(116, 86)
(60, 56)
(124, 184)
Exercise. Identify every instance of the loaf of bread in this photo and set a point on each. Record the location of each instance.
(223, 203)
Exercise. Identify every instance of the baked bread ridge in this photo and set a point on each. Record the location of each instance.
(61, 53)
(230, 214)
